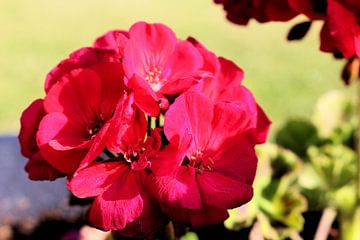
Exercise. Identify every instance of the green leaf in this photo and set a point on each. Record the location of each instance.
(297, 135)
(334, 164)
(189, 236)
(334, 116)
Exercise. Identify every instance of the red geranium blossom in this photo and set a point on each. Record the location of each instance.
(225, 84)
(226, 87)
(113, 40)
(241, 11)
(81, 58)
(95, 127)
(211, 64)
(37, 167)
(215, 163)
(342, 28)
(157, 64)
(78, 107)
(313, 9)
(119, 184)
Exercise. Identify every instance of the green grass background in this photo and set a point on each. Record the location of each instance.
(286, 78)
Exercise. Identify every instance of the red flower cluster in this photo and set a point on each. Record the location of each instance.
(341, 29)
(94, 126)
(241, 11)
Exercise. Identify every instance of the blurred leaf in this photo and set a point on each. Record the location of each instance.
(299, 31)
(345, 199)
(189, 236)
(241, 217)
(335, 165)
(277, 205)
(313, 188)
(286, 206)
(334, 116)
(271, 231)
(276, 162)
(297, 135)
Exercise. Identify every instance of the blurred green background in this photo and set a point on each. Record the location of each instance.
(286, 78)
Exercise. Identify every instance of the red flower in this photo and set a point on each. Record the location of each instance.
(241, 11)
(119, 184)
(37, 167)
(114, 41)
(92, 127)
(81, 58)
(215, 163)
(78, 107)
(226, 87)
(211, 65)
(313, 9)
(157, 64)
(342, 28)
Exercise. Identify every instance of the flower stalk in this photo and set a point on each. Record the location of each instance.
(350, 221)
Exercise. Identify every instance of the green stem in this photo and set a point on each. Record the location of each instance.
(350, 221)
(358, 146)
(350, 225)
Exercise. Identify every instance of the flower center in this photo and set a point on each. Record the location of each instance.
(132, 155)
(154, 78)
(199, 161)
(94, 126)
(137, 158)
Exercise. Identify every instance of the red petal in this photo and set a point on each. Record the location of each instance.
(30, 120)
(95, 178)
(149, 223)
(278, 10)
(210, 61)
(78, 96)
(145, 98)
(263, 125)
(307, 7)
(180, 68)
(327, 43)
(170, 158)
(229, 119)
(357, 44)
(64, 161)
(196, 217)
(229, 78)
(84, 94)
(39, 169)
(343, 25)
(120, 204)
(207, 216)
(60, 133)
(128, 126)
(150, 46)
(236, 159)
(223, 192)
(113, 86)
(190, 113)
(113, 40)
(97, 146)
(84, 57)
(179, 190)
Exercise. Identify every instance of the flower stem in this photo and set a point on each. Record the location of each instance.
(350, 222)
(350, 225)
(326, 221)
